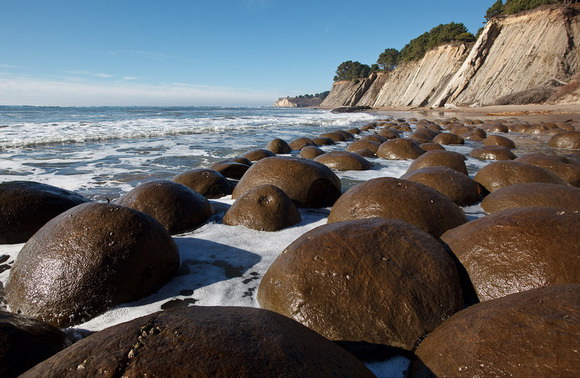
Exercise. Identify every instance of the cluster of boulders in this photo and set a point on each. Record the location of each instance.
(398, 265)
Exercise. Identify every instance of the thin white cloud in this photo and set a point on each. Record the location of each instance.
(130, 78)
(90, 73)
(27, 91)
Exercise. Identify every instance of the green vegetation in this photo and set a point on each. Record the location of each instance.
(439, 35)
(388, 60)
(321, 95)
(350, 70)
(515, 6)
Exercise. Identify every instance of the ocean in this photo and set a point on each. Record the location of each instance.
(103, 152)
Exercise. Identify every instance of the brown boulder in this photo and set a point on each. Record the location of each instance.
(504, 173)
(205, 342)
(568, 170)
(358, 145)
(435, 158)
(300, 143)
(430, 146)
(498, 140)
(377, 280)
(207, 182)
(178, 208)
(400, 149)
(25, 207)
(279, 146)
(389, 133)
(344, 161)
(230, 169)
(447, 138)
(258, 154)
(335, 136)
(569, 140)
(263, 208)
(532, 194)
(310, 152)
(25, 342)
(530, 334)
(322, 141)
(492, 153)
(306, 182)
(518, 249)
(460, 188)
(409, 201)
(88, 259)
(374, 138)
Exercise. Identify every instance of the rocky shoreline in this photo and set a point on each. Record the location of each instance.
(397, 270)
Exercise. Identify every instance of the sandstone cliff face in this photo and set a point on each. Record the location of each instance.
(297, 102)
(513, 54)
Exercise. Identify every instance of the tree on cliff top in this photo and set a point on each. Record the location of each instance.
(388, 59)
(350, 70)
(439, 35)
(515, 6)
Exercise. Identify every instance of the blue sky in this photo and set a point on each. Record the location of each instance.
(199, 52)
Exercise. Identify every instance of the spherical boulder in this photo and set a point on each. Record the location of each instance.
(207, 182)
(492, 153)
(318, 141)
(360, 144)
(178, 208)
(258, 154)
(529, 334)
(518, 249)
(279, 146)
(568, 170)
(344, 161)
(306, 182)
(263, 208)
(531, 194)
(498, 140)
(460, 188)
(299, 143)
(389, 133)
(405, 200)
(569, 140)
(205, 341)
(430, 146)
(448, 138)
(435, 158)
(230, 169)
(25, 206)
(88, 259)
(310, 152)
(25, 342)
(504, 173)
(376, 280)
(335, 136)
(399, 149)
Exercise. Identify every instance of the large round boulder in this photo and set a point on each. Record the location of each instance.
(205, 341)
(88, 259)
(360, 144)
(300, 143)
(263, 208)
(500, 174)
(25, 342)
(448, 138)
(207, 182)
(230, 169)
(279, 146)
(310, 152)
(25, 206)
(257, 154)
(435, 158)
(529, 334)
(344, 161)
(518, 249)
(377, 280)
(531, 194)
(399, 149)
(460, 188)
(405, 200)
(568, 170)
(177, 207)
(498, 140)
(569, 140)
(306, 182)
(492, 153)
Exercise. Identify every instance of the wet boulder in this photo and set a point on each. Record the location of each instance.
(504, 173)
(529, 334)
(450, 159)
(492, 153)
(231, 169)
(88, 259)
(376, 280)
(460, 188)
(498, 140)
(25, 342)
(310, 152)
(344, 161)
(207, 182)
(405, 200)
(300, 143)
(430, 146)
(178, 208)
(531, 194)
(568, 170)
(258, 154)
(279, 146)
(358, 145)
(569, 140)
(263, 208)
(306, 182)
(322, 141)
(448, 138)
(205, 341)
(25, 206)
(400, 149)
(518, 249)
(335, 136)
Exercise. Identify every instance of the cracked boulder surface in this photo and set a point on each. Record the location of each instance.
(88, 259)
(204, 341)
(379, 280)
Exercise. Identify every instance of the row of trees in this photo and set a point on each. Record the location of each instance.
(445, 33)
(321, 95)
